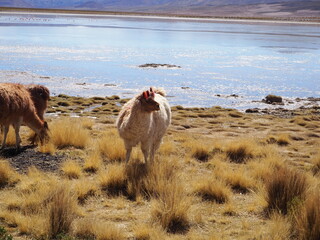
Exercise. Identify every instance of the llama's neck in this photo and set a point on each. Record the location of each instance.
(33, 121)
(136, 120)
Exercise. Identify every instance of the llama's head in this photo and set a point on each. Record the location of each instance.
(147, 101)
(44, 133)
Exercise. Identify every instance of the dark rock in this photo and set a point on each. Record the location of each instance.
(157, 65)
(252, 110)
(273, 99)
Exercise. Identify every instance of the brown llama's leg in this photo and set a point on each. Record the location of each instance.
(17, 129)
(5, 130)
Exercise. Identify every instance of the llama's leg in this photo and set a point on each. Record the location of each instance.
(5, 130)
(129, 149)
(17, 129)
(33, 139)
(145, 148)
(154, 148)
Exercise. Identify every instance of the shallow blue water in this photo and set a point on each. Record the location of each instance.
(94, 55)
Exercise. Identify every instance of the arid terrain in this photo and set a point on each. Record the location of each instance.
(219, 174)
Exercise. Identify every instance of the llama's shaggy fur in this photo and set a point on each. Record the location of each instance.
(40, 96)
(144, 119)
(17, 107)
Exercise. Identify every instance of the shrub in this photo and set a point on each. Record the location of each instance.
(285, 189)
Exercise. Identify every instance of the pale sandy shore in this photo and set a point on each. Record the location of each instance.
(95, 14)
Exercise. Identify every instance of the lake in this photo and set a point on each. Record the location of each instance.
(226, 63)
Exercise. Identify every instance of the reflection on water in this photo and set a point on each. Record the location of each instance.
(94, 55)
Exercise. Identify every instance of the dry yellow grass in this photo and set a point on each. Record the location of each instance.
(168, 200)
(240, 181)
(67, 132)
(212, 189)
(11, 137)
(242, 150)
(7, 175)
(316, 164)
(199, 149)
(111, 146)
(47, 148)
(113, 179)
(286, 189)
(71, 169)
(61, 213)
(306, 220)
(85, 189)
(93, 162)
(281, 140)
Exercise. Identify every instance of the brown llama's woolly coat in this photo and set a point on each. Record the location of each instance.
(17, 107)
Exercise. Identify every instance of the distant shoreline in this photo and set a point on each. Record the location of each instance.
(295, 20)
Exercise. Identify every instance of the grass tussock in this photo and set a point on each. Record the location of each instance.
(91, 228)
(172, 203)
(241, 151)
(285, 189)
(7, 175)
(278, 228)
(93, 162)
(136, 173)
(211, 189)
(11, 137)
(48, 147)
(85, 189)
(316, 164)
(62, 212)
(160, 176)
(111, 146)
(71, 169)
(113, 179)
(171, 209)
(66, 132)
(240, 181)
(306, 220)
(146, 232)
(199, 150)
(168, 147)
(281, 140)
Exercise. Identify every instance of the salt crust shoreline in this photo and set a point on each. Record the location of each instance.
(161, 17)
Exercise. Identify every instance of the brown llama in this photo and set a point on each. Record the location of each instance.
(40, 96)
(17, 107)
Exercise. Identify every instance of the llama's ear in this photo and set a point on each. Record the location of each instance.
(145, 95)
(151, 92)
